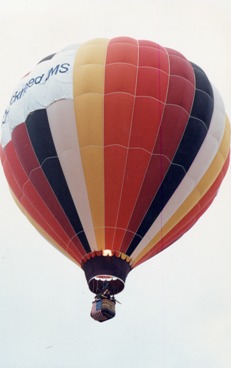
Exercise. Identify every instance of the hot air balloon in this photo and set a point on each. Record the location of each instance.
(113, 149)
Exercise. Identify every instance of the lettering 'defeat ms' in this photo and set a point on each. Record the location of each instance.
(59, 68)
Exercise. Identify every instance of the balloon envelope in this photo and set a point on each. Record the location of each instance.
(113, 149)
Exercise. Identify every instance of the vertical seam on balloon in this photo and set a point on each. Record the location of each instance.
(78, 146)
(40, 167)
(70, 176)
(188, 113)
(48, 237)
(219, 141)
(166, 96)
(161, 145)
(180, 141)
(103, 118)
(101, 214)
(23, 195)
(79, 246)
(210, 172)
(129, 139)
(149, 160)
(152, 151)
(196, 212)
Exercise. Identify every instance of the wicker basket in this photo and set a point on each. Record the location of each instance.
(103, 309)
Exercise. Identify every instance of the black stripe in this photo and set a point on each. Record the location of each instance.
(191, 142)
(49, 57)
(199, 121)
(43, 145)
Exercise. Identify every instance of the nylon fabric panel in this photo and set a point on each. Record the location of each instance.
(38, 126)
(89, 111)
(138, 133)
(167, 141)
(121, 75)
(189, 220)
(137, 160)
(25, 151)
(16, 182)
(199, 122)
(69, 252)
(14, 187)
(49, 81)
(163, 176)
(33, 204)
(62, 123)
(200, 190)
(198, 168)
(118, 110)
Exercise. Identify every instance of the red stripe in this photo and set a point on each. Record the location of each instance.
(35, 187)
(9, 176)
(126, 167)
(143, 138)
(45, 220)
(120, 88)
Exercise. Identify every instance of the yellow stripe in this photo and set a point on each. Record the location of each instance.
(200, 190)
(41, 230)
(89, 74)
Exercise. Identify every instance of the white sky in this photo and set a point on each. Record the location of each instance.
(176, 308)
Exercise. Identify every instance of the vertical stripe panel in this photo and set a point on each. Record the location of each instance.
(89, 72)
(150, 97)
(62, 123)
(49, 166)
(120, 92)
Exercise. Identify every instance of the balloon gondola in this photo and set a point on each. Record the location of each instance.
(113, 149)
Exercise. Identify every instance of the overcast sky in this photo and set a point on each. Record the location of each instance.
(176, 308)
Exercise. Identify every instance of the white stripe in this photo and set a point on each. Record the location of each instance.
(49, 81)
(197, 170)
(62, 123)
